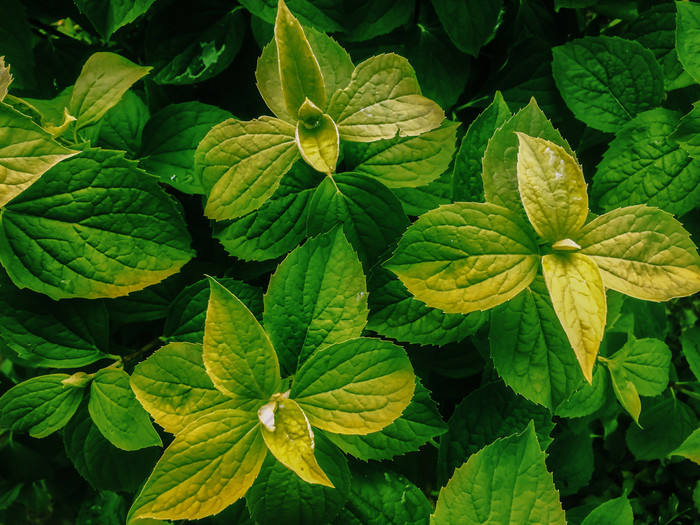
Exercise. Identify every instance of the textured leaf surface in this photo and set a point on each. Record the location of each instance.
(506, 482)
(646, 363)
(687, 133)
(607, 81)
(690, 448)
(665, 424)
(94, 226)
(5, 78)
(317, 297)
(109, 16)
(355, 387)
(690, 340)
(122, 126)
(688, 36)
(466, 257)
(117, 413)
(469, 24)
(588, 397)
(643, 252)
(173, 386)
(319, 144)
(626, 392)
(617, 511)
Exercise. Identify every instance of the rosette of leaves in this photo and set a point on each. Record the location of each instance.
(228, 405)
(467, 256)
(320, 99)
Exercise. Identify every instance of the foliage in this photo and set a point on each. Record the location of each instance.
(359, 262)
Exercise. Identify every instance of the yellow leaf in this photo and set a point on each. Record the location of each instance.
(552, 188)
(576, 288)
(5, 78)
(288, 435)
(318, 142)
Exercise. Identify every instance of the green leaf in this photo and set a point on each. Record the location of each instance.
(40, 405)
(646, 363)
(117, 414)
(626, 392)
(665, 424)
(395, 313)
(468, 168)
(318, 142)
(418, 423)
(470, 24)
(122, 126)
(149, 304)
(173, 386)
(371, 215)
(93, 226)
(109, 16)
(643, 165)
(383, 100)
(619, 243)
(366, 20)
(607, 81)
(321, 17)
(357, 386)
(240, 164)
(466, 257)
(26, 153)
(690, 448)
(617, 511)
(104, 79)
(690, 341)
(5, 78)
(500, 158)
(530, 350)
(687, 35)
(493, 411)
(506, 482)
(208, 466)
(417, 201)
(588, 398)
(571, 459)
(17, 43)
(170, 139)
(185, 321)
(687, 133)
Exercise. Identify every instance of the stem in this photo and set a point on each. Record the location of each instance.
(145, 348)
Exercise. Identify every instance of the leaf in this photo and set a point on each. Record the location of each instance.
(530, 350)
(505, 482)
(319, 143)
(690, 448)
(687, 32)
(466, 257)
(323, 18)
(417, 201)
(395, 313)
(208, 466)
(607, 81)
(240, 164)
(690, 341)
(665, 424)
(383, 100)
(571, 459)
(470, 24)
(646, 364)
(552, 188)
(588, 398)
(5, 78)
(626, 392)
(687, 133)
(170, 139)
(490, 412)
(468, 168)
(109, 16)
(94, 226)
(354, 387)
(643, 252)
(419, 423)
(104, 79)
(290, 439)
(238, 354)
(616, 511)
(41, 405)
(17, 43)
(26, 153)
(317, 297)
(644, 166)
(173, 386)
(500, 158)
(365, 20)
(371, 215)
(149, 304)
(576, 288)
(122, 126)
(117, 414)
(405, 162)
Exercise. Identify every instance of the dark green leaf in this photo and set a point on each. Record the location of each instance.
(122, 126)
(109, 15)
(665, 423)
(688, 37)
(16, 43)
(469, 23)
(614, 512)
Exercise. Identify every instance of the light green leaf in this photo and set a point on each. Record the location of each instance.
(552, 188)
(300, 73)
(588, 398)
(26, 153)
(383, 100)
(240, 164)
(5, 78)
(318, 142)
(211, 464)
(122, 126)
(465, 257)
(690, 341)
(316, 297)
(108, 16)
(405, 162)
(530, 350)
(104, 79)
(690, 448)
(93, 226)
(52, 113)
(354, 387)
(606, 80)
(323, 18)
(500, 158)
(646, 363)
(687, 133)
(506, 482)
(643, 165)
(470, 24)
(170, 139)
(688, 36)
(617, 511)
(417, 201)
(643, 252)
(173, 386)
(40, 405)
(665, 424)
(117, 413)
(626, 392)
